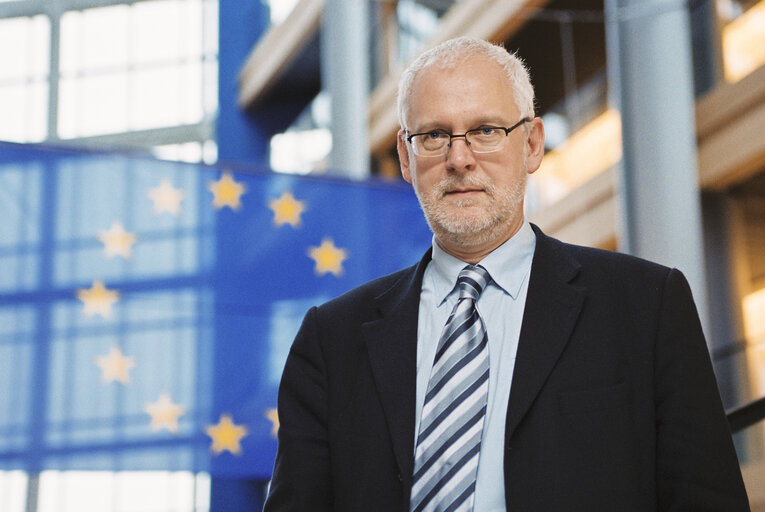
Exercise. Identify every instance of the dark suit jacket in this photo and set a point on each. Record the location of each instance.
(613, 405)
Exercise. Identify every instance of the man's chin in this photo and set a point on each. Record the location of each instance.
(461, 225)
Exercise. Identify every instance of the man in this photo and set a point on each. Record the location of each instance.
(506, 370)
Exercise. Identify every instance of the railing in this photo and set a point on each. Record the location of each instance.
(733, 367)
(746, 415)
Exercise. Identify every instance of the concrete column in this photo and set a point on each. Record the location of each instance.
(651, 82)
(345, 74)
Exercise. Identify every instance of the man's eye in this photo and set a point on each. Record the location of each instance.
(434, 135)
(487, 130)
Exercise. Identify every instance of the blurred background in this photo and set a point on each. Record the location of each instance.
(180, 180)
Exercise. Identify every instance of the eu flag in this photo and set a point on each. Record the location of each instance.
(147, 307)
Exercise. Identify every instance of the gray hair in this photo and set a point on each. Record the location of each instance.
(451, 52)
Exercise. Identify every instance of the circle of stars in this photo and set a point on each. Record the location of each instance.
(98, 300)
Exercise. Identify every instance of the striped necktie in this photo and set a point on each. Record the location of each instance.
(449, 439)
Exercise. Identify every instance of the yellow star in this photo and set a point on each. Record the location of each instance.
(226, 192)
(166, 198)
(98, 300)
(115, 366)
(287, 209)
(226, 435)
(164, 413)
(328, 258)
(117, 241)
(273, 417)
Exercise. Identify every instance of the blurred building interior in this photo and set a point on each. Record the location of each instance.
(177, 79)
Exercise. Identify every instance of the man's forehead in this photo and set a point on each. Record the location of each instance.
(472, 78)
(457, 65)
(441, 89)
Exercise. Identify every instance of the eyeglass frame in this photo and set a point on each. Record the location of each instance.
(452, 136)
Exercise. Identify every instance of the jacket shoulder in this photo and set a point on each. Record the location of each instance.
(369, 292)
(603, 261)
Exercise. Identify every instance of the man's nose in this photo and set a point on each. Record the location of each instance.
(459, 156)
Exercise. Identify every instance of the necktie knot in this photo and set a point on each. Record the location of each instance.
(472, 280)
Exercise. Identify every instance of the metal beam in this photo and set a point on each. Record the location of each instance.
(142, 140)
(345, 74)
(53, 7)
(651, 76)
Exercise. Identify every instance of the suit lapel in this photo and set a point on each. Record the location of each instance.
(392, 346)
(552, 308)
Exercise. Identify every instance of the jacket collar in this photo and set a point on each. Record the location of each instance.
(553, 305)
(391, 342)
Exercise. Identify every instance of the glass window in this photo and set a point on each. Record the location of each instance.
(304, 147)
(92, 105)
(280, 10)
(188, 152)
(300, 152)
(121, 68)
(143, 66)
(94, 40)
(416, 24)
(13, 490)
(24, 52)
(123, 491)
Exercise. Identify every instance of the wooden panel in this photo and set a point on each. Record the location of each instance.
(735, 152)
(752, 472)
(587, 216)
(730, 123)
(728, 101)
(731, 130)
(594, 227)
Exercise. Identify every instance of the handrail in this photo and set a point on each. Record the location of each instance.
(747, 415)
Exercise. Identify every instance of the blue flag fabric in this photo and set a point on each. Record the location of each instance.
(147, 307)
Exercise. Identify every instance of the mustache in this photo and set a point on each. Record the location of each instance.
(451, 183)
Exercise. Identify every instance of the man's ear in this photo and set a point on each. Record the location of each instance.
(403, 156)
(535, 145)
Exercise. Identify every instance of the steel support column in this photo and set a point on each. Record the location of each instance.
(345, 74)
(651, 82)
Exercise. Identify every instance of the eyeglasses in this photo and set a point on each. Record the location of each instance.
(480, 140)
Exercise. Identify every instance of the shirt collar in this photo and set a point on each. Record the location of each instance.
(508, 265)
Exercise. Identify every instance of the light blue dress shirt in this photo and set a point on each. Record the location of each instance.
(501, 307)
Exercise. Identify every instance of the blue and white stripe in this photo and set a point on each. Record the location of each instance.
(449, 439)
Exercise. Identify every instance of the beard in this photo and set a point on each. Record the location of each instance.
(472, 221)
